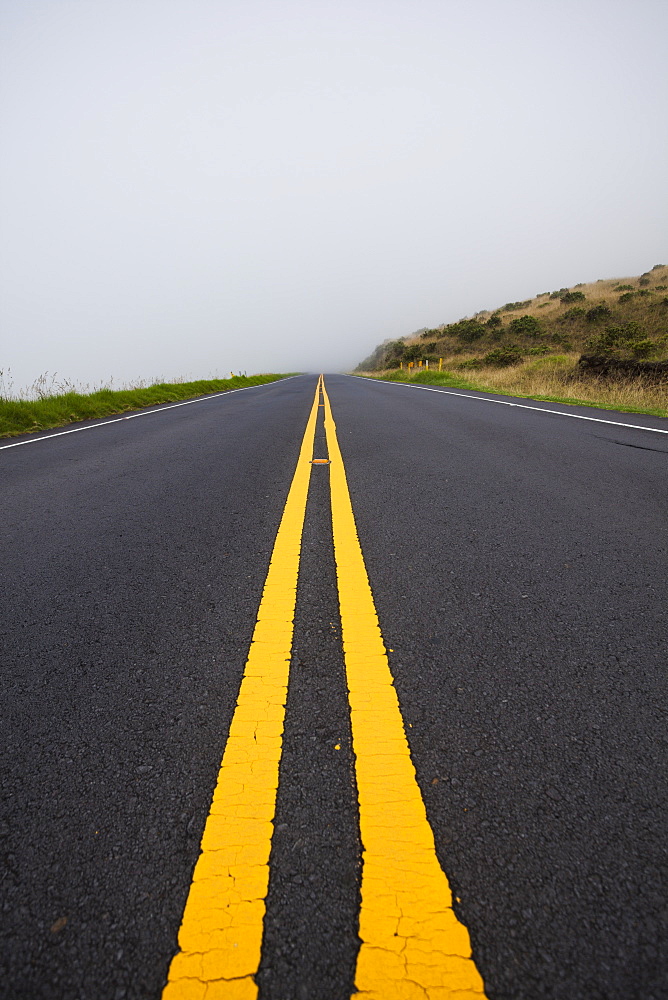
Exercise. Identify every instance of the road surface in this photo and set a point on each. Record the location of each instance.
(517, 564)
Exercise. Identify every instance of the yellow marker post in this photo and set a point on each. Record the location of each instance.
(440, 364)
(413, 946)
(221, 932)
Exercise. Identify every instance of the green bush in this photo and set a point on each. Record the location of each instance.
(527, 326)
(559, 294)
(622, 341)
(573, 297)
(597, 312)
(575, 313)
(502, 357)
(386, 356)
(467, 330)
(495, 320)
(643, 348)
(623, 288)
(661, 288)
(514, 306)
(627, 297)
(643, 282)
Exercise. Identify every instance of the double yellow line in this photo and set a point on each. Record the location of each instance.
(413, 946)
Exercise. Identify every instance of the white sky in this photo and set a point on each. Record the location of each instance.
(193, 186)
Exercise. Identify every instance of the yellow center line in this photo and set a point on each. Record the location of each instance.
(413, 946)
(220, 937)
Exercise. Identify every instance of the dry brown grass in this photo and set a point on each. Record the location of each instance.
(539, 378)
(550, 377)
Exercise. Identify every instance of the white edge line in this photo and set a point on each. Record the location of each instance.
(522, 406)
(143, 413)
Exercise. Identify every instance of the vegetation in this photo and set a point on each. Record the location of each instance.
(621, 319)
(47, 410)
(551, 378)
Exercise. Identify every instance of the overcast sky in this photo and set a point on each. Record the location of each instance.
(190, 187)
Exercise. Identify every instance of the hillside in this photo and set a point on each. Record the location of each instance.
(616, 317)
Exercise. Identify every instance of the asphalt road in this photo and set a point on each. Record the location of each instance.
(518, 564)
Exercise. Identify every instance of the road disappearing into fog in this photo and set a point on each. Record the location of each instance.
(432, 663)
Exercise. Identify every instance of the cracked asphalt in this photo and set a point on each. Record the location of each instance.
(518, 565)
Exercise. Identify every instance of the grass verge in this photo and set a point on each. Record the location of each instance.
(20, 416)
(548, 379)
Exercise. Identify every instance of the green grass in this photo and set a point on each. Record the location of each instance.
(19, 416)
(445, 378)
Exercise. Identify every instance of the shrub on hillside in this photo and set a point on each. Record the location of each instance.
(496, 321)
(502, 357)
(514, 306)
(386, 355)
(575, 313)
(643, 348)
(623, 288)
(558, 294)
(572, 297)
(467, 330)
(527, 326)
(622, 341)
(563, 341)
(597, 312)
(643, 282)
(626, 297)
